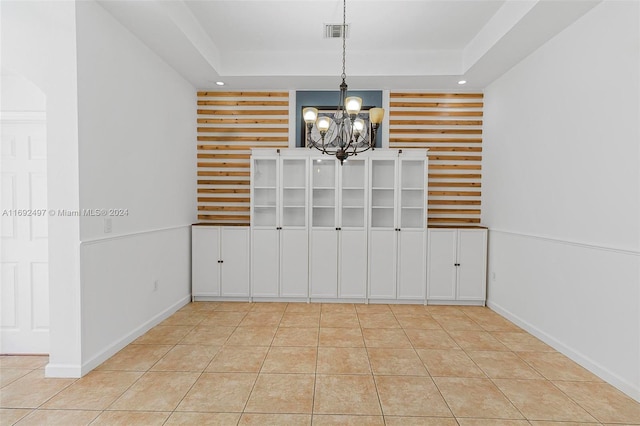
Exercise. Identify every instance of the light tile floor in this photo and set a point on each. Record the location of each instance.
(322, 364)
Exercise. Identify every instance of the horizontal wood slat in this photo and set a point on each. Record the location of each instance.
(229, 125)
(450, 126)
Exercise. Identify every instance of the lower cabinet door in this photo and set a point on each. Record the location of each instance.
(353, 263)
(412, 269)
(264, 263)
(235, 258)
(294, 263)
(441, 269)
(382, 264)
(323, 267)
(472, 257)
(205, 253)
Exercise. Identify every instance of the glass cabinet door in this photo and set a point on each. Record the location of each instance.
(265, 172)
(383, 181)
(353, 210)
(412, 194)
(323, 198)
(294, 192)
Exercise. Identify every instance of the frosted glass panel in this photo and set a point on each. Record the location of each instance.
(324, 174)
(412, 218)
(264, 197)
(382, 218)
(324, 217)
(353, 217)
(293, 216)
(353, 174)
(413, 198)
(324, 197)
(294, 173)
(353, 197)
(293, 197)
(382, 198)
(383, 173)
(264, 173)
(264, 216)
(412, 174)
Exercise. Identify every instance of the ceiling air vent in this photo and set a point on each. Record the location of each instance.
(335, 30)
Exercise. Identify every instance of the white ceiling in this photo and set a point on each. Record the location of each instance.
(393, 44)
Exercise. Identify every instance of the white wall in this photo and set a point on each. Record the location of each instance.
(38, 43)
(561, 192)
(137, 123)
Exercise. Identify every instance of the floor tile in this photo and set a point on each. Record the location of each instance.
(135, 358)
(494, 422)
(223, 318)
(288, 359)
(58, 417)
(185, 318)
(449, 363)
(473, 340)
(430, 339)
(424, 321)
(210, 335)
(282, 393)
(129, 418)
(95, 391)
(396, 362)
(419, 421)
(8, 375)
(9, 416)
(296, 336)
(457, 323)
(297, 319)
(261, 319)
(199, 307)
(372, 308)
(31, 390)
(551, 423)
(408, 309)
(346, 394)
(503, 365)
(338, 307)
(24, 361)
(275, 419)
(555, 366)
(186, 358)
(164, 335)
(219, 392)
(410, 396)
(178, 418)
(346, 420)
(236, 306)
(269, 307)
(520, 341)
(378, 320)
(339, 319)
(238, 359)
(385, 338)
(252, 336)
(478, 398)
(341, 337)
(343, 361)
(603, 401)
(540, 400)
(156, 391)
(304, 307)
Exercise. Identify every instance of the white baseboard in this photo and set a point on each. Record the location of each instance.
(631, 389)
(116, 346)
(63, 371)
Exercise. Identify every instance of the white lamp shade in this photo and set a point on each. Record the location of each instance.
(353, 104)
(310, 114)
(323, 123)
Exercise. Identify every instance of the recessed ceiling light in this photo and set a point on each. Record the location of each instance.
(220, 83)
(462, 82)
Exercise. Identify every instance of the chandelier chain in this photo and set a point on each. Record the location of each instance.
(344, 39)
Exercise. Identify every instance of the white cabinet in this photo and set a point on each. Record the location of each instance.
(398, 217)
(220, 262)
(279, 228)
(338, 236)
(457, 265)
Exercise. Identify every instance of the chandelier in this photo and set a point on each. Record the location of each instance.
(344, 132)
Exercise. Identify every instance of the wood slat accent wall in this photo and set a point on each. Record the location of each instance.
(450, 125)
(229, 125)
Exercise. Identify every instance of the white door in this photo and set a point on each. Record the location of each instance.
(324, 263)
(24, 292)
(382, 264)
(353, 263)
(264, 262)
(205, 261)
(294, 263)
(412, 271)
(472, 246)
(441, 275)
(235, 261)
